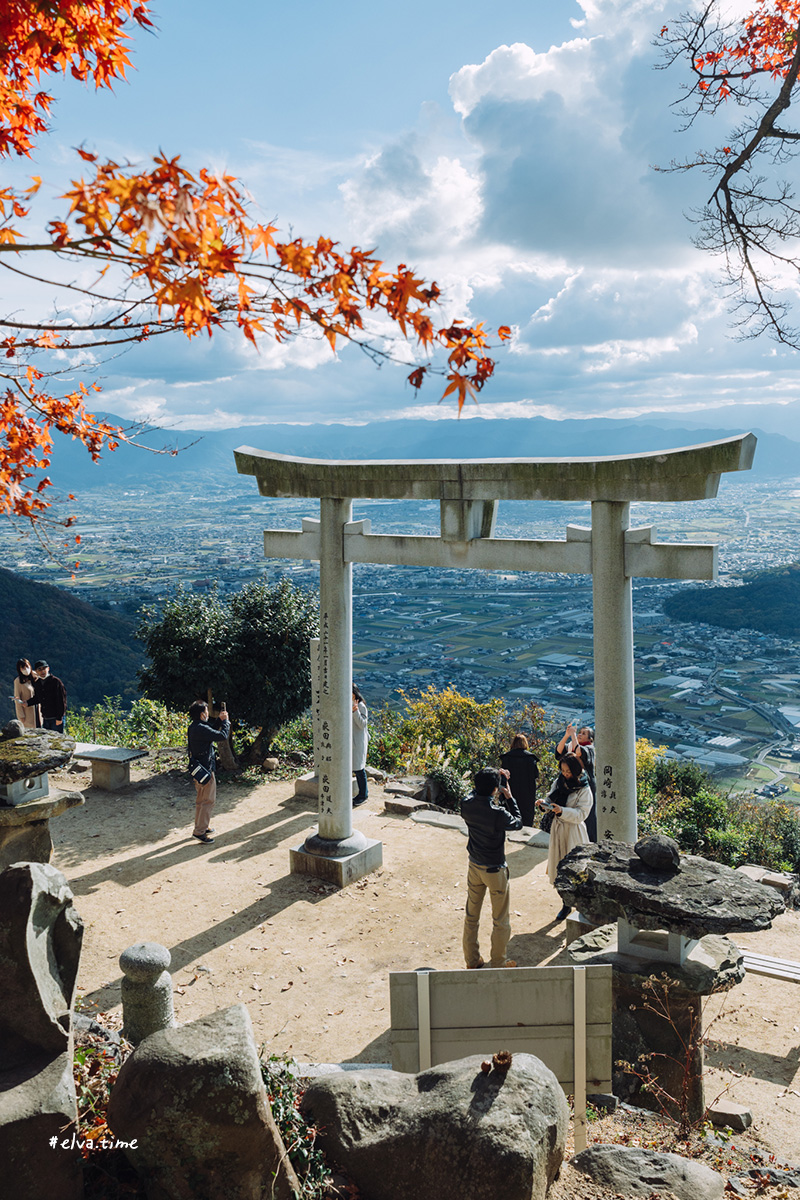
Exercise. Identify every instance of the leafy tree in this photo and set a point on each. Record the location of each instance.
(173, 251)
(188, 643)
(751, 218)
(251, 651)
(767, 600)
(269, 657)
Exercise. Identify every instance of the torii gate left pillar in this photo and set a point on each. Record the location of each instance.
(468, 492)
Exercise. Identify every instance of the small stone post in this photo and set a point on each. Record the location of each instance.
(146, 991)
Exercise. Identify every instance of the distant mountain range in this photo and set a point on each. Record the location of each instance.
(94, 652)
(209, 455)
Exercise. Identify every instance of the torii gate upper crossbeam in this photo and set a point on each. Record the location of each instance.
(689, 473)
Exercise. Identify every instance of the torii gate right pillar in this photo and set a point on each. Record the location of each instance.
(615, 731)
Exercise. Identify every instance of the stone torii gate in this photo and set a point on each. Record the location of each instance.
(610, 551)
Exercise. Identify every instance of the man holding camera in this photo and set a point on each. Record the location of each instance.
(490, 812)
(202, 764)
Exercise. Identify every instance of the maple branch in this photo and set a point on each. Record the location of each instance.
(766, 126)
(184, 251)
(755, 233)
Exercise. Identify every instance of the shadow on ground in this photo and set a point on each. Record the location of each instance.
(279, 895)
(245, 841)
(774, 1068)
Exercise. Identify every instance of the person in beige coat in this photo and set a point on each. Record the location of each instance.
(570, 800)
(23, 692)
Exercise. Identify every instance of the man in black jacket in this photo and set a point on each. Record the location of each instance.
(49, 692)
(200, 738)
(487, 825)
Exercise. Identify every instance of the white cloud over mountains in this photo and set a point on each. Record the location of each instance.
(555, 221)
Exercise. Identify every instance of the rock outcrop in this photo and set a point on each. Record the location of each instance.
(40, 943)
(631, 1171)
(450, 1132)
(195, 1104)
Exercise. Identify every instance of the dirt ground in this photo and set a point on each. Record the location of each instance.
(312, 963)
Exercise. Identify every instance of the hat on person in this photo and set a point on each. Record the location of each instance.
(41, 665)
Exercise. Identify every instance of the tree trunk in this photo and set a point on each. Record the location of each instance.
(259, 748)
(224, 749)
(226, 755)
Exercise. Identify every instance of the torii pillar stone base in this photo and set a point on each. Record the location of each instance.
(310, 858)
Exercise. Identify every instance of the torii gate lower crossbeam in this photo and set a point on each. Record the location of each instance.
(468, 492)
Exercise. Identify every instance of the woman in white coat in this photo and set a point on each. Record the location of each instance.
(570, 800)
(23, 692)
(360, 742)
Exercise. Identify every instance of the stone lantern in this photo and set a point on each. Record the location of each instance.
(27, 802)
(668, 950)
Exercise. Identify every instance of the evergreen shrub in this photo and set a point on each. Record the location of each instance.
(680, 799)
(452, 787)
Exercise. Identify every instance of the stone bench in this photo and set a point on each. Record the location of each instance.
(773, 968)
(111, 765)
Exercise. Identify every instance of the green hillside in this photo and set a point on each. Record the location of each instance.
(768, 601)
(94, 652)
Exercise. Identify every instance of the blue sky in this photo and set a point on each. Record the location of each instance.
(507, 153)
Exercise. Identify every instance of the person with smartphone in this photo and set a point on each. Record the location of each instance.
(579, 740)
(570, 801)
(200, 739)
(490, 812)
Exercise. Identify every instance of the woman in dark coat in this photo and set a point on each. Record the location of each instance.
(523, 768)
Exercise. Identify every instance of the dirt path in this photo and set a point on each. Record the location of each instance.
(312, 963)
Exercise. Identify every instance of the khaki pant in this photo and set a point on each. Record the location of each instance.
(204, 804)
(479, 881)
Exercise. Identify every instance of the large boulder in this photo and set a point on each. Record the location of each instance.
(194, 1104)
(630, 1171)
(38, 1147)
(450, 1132)
(40, 942)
